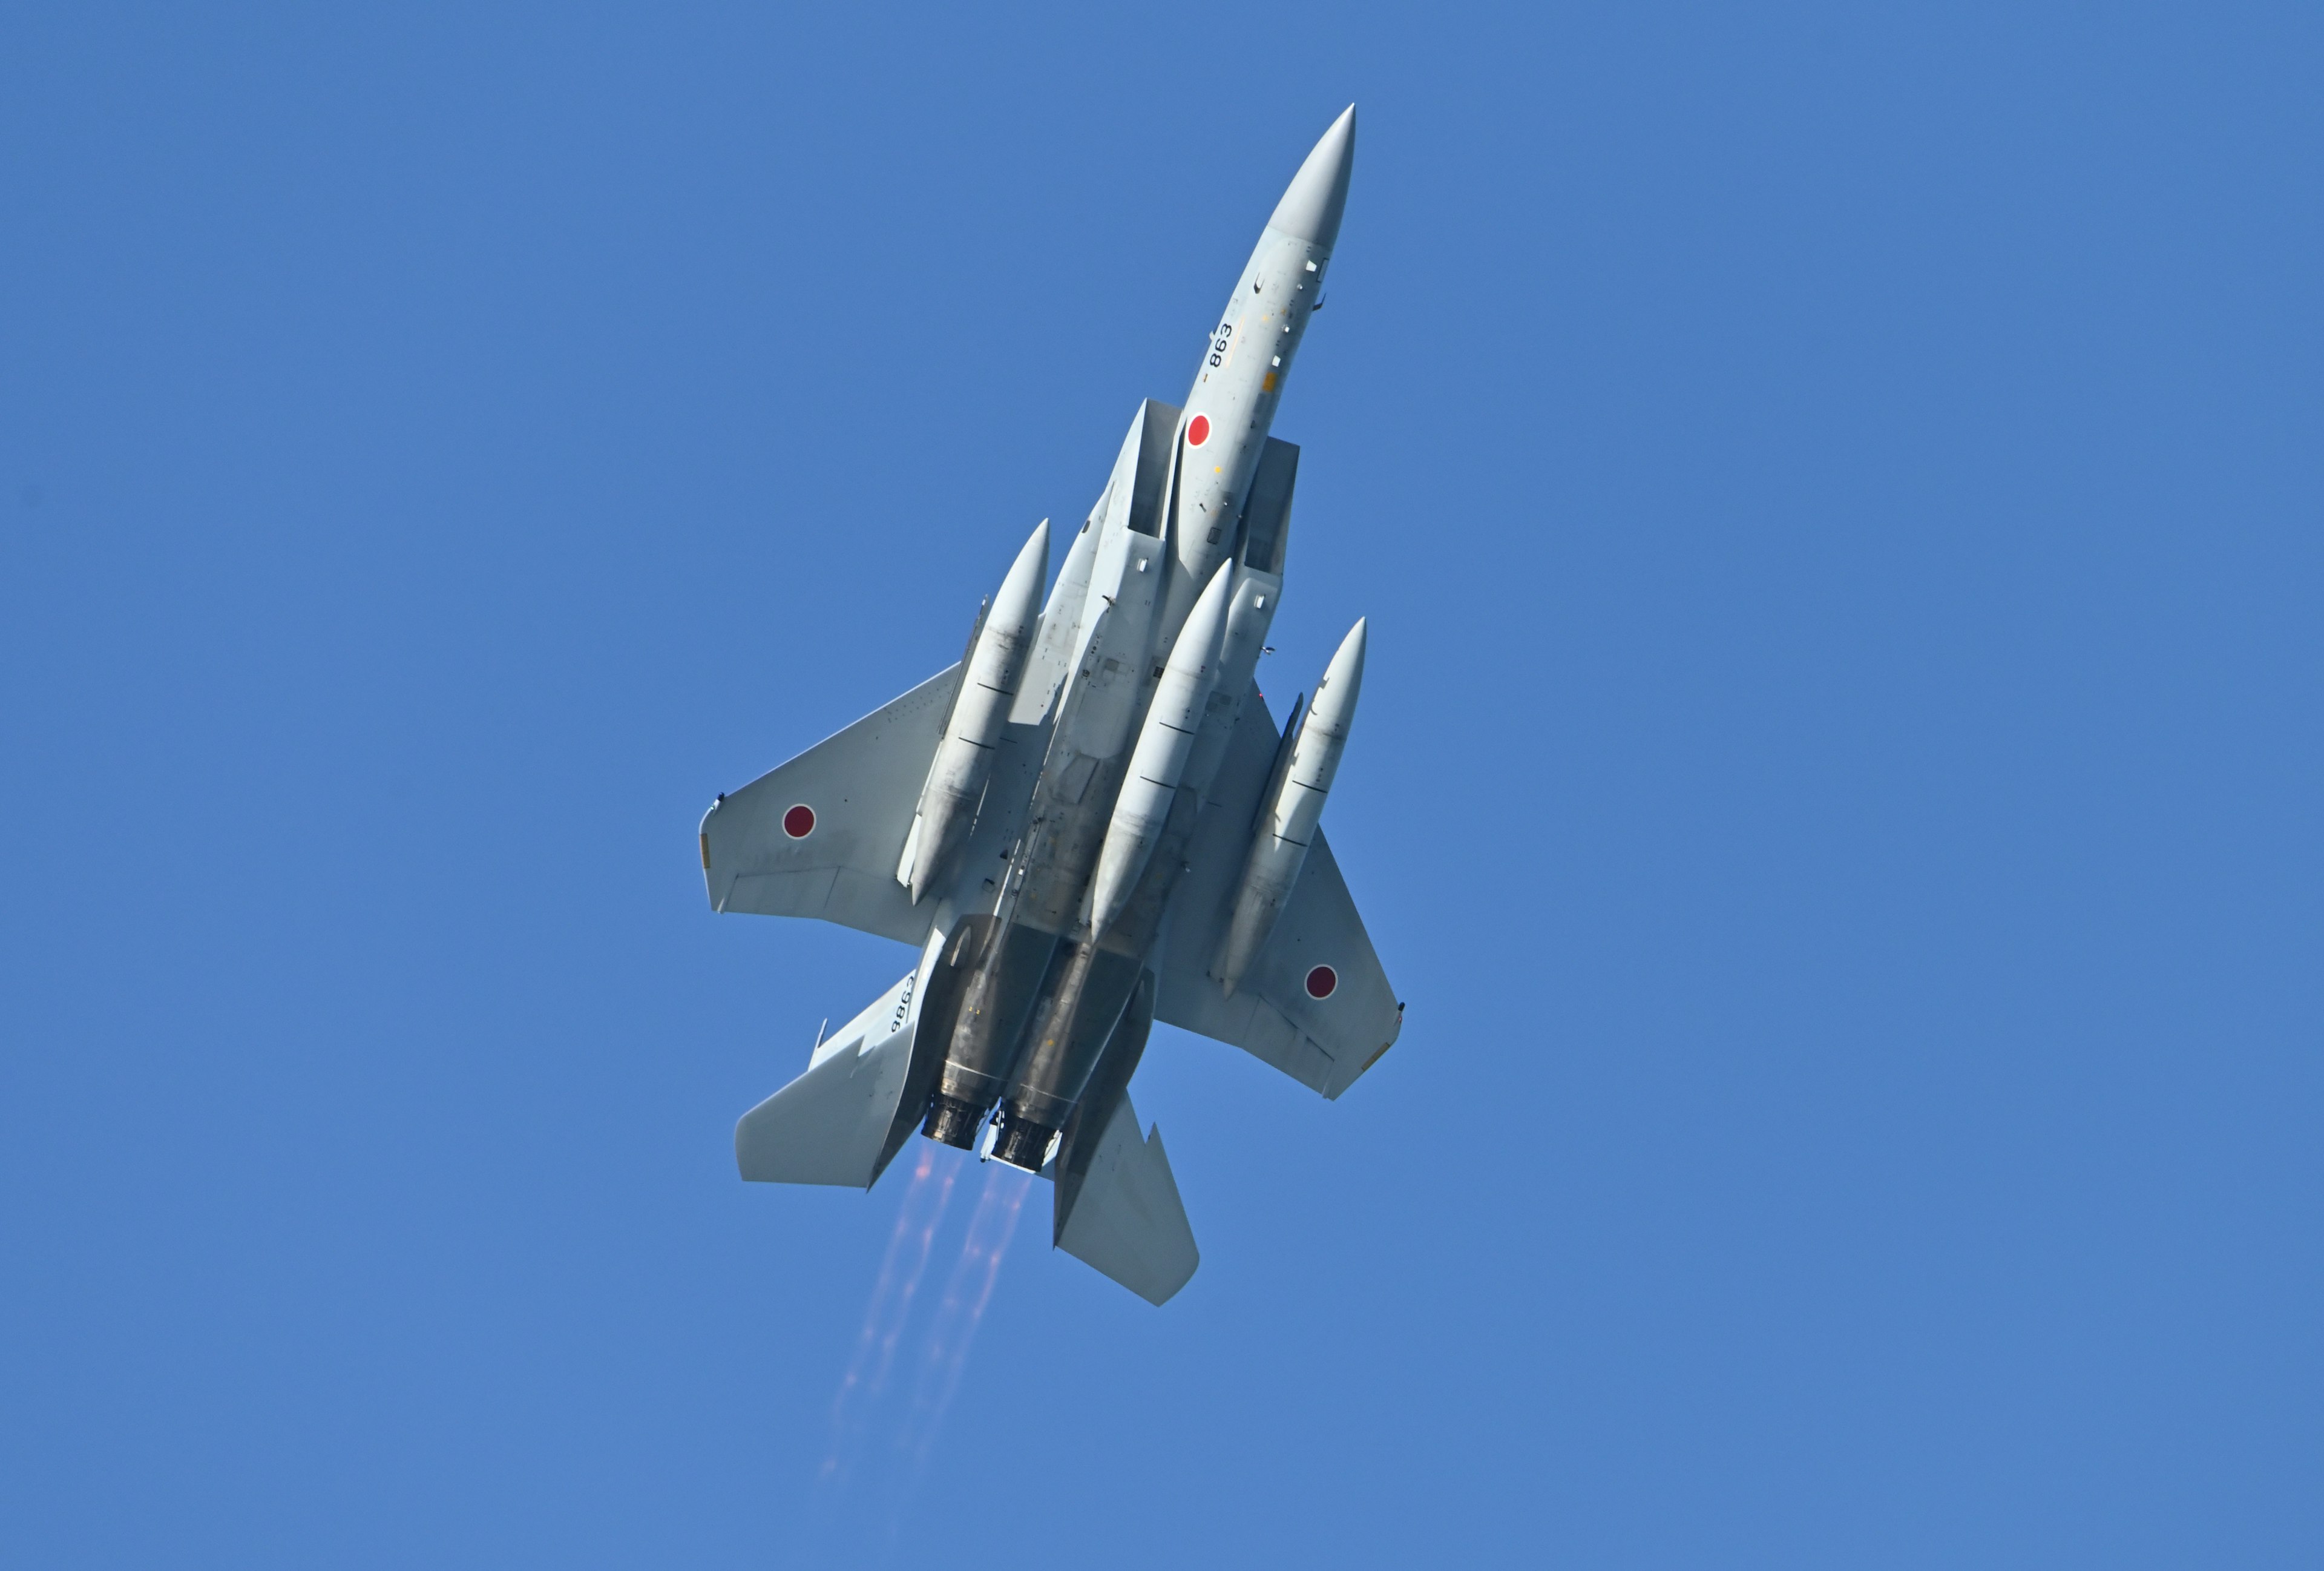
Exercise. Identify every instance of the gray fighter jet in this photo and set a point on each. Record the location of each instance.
(1091, 822)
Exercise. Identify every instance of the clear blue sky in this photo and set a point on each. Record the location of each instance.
(1837, 492)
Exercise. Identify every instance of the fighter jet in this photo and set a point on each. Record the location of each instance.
(1091, 822)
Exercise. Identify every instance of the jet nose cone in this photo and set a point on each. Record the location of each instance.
(1311, 209)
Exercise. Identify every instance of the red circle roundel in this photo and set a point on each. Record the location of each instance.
(1321, 980)
(799, 823)
(1198, 430)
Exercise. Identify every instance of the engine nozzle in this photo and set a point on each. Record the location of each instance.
(1021, 1142)
(953, 1121)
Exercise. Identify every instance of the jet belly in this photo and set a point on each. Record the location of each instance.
(1010, 959)
(1094, 973)
(1047, 981)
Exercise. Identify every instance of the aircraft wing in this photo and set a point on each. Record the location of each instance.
(1322, 1042)
(836, 860)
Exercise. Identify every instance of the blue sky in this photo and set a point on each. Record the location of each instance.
(1836, 493)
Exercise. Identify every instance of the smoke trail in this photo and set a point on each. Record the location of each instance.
(921, 1245)
(966, 1294)
(900, 1270)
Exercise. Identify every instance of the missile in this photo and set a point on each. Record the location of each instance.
(1286, 822)
(1159, 758)
(996, 665)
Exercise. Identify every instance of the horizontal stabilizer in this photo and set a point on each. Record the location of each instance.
(832, 1124)
(1128, 1222)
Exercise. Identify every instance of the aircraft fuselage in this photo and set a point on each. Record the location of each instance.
(1049, 948)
